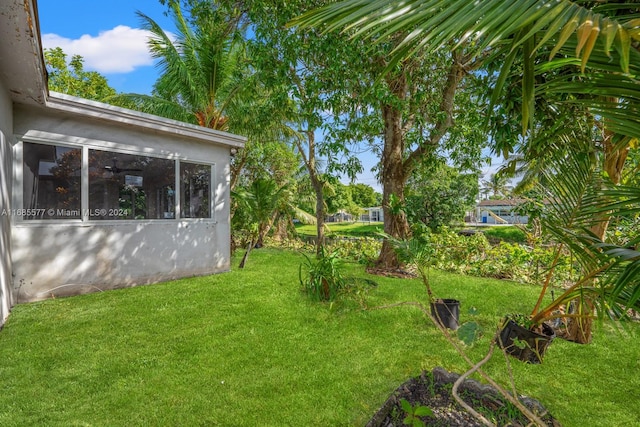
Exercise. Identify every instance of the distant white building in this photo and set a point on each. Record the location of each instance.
(500, 212)
(373, 214)
(340, 216)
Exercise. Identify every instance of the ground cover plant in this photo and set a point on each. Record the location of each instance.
(508, 233)
(250, 348)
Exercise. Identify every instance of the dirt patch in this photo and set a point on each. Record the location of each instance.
(433, 390)
(395, 273)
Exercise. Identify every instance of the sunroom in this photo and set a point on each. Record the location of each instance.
(105, 197)
(96, 197)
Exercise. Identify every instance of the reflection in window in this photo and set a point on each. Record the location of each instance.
(127, 186)
(51, 181)
(195, 190)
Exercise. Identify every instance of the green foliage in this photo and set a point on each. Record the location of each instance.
(322, 278)
(71, 78)
(506, 233)
(414, 413)
(363, 250)
(474, 255)
(471, 331)
(365, 196)
(439, 195)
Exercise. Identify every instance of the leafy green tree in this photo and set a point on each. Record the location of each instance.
(420, 107)
(71, 78)
(592, 60)
(437, 196)
(341, 199)
(304, 70)
(364, 195)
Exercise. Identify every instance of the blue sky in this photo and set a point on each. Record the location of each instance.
(106, 34)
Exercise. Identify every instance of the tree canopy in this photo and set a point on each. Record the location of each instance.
(71, 77)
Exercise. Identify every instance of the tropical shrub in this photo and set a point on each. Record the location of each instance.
(322, 278)
(363, 250)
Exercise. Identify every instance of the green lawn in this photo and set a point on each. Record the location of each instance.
(356, 229)
(246, 348)
(505, 233)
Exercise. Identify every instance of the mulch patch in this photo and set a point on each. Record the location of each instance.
(433, 390)
(395, 273)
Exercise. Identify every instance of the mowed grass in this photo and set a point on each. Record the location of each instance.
(246, 348)
(510, 234)
(355, 229)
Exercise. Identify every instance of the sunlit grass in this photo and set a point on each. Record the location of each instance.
(510, 234)
(356, 229)
(246, 348)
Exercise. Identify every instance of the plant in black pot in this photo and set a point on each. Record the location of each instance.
(523, 339)
(419, 253)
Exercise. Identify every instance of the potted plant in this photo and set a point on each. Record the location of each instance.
(524, 340)
(419, 252)
(583, 197)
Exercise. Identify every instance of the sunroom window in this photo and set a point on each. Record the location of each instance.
(51, 181)
(129, 186)
(195, 190)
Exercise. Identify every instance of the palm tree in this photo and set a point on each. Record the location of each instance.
(202, 69)
(260, 202)
(497, 185)
(206, 78)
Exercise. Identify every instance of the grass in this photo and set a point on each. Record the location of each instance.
(246, 348)
(353, 229)
(509, 234)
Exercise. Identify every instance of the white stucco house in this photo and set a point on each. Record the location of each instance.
(94, 196)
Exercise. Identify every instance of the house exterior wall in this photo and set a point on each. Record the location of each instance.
(59, 258)
(6, 132)
(375, 214)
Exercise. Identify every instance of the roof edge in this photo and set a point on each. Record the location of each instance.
(99, 110)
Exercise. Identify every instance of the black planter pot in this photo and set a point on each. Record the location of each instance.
(446, 312)
(523, 343)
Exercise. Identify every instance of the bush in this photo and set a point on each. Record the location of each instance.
(321, 278)
(474, 255)
(363, 250)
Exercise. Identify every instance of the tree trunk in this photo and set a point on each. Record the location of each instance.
(395, 167)
(393, 181)
(317, 186)
(309, 158)
(579, 328)
(246, 254)
(281, 230)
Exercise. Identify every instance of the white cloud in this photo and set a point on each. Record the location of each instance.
(119, 50)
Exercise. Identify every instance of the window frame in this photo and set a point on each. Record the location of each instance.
(85, 219)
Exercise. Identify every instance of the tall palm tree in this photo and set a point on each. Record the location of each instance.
(202, 69)
(206, 78)
(497, 184)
